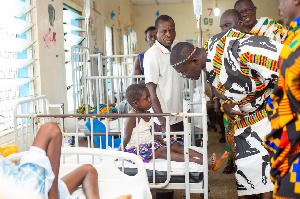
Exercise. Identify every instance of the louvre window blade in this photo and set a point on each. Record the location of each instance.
(14, 44)
(14, 25)
(15, 63)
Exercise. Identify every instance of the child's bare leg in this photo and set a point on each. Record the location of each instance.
(178, 148)
(49, 138)
(193, 155)
(178, 157)
(125, 197)
(86, 175)
(213, 163)
(219, 161)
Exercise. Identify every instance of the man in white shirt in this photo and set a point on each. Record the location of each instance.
(162, 81)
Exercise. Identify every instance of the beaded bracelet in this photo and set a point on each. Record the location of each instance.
(237, 118)
(225, 102)
(215, 98)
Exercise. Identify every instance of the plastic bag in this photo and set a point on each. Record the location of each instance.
(7, 150)
(197, 97)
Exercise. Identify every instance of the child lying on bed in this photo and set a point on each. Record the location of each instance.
(37, 173)
(138, 97)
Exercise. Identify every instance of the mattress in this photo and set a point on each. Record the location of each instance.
(177, 168)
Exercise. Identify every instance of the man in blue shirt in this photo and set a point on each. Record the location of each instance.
(150, 37)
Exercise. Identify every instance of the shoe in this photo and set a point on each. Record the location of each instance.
(222, 139)
(228, 169)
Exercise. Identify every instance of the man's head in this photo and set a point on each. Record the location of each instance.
(231, 19)
(188, 60)
(150, 35)
(165, 28)
(289, 10)
(248, 12)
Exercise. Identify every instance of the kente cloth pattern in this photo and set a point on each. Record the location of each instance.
(102, 110)
(269, 28)
(252, 159)
(242, 67)
(145, 150)
(283, 143)
(229, 131)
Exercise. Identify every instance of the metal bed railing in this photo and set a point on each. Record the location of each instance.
(35, 119)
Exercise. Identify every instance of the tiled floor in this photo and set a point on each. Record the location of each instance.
(221, 186)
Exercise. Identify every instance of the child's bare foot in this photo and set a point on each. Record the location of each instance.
(129, 196)
(219, 161)
(211, 161)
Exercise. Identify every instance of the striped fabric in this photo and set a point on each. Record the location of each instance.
(283, 143)
(241, 67)
(263, 61)
(269, 28)
(248, 121)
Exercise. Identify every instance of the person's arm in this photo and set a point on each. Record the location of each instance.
(129, 125)
(216, 98)
(228, 109)
(156, 104)
(137, 69)
(217, 94)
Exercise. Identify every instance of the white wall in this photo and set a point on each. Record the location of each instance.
(50, 64)
(185, 21)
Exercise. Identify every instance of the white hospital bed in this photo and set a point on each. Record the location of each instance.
(174, 177)
(112, 182)
(93, 88)
(102, 79)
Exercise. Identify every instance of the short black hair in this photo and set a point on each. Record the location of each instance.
(233, 12)
(180, 52)
(164, 18)
(239, 1)
(134, 92)
(149, 28)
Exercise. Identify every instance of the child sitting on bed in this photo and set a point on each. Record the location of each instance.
(37, 173)
(138, 97)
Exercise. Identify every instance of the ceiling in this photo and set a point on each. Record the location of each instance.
(158, 1)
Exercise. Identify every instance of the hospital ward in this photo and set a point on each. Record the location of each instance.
(149, 99)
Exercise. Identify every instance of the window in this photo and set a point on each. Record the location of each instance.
(126, 46)
(16, 69)
(72, 31)
(109, 40)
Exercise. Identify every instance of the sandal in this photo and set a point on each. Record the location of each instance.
(228, 169)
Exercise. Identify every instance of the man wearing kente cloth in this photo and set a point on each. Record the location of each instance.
(265, 27)
(283, 143)
(243, 68)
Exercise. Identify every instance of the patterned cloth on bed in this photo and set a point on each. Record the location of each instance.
(242, 67)
(145, 150)
(34, 173)
(102, 110)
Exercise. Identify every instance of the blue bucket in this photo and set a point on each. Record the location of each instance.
(99, 127)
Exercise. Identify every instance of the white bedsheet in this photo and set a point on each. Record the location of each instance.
(160, 164)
